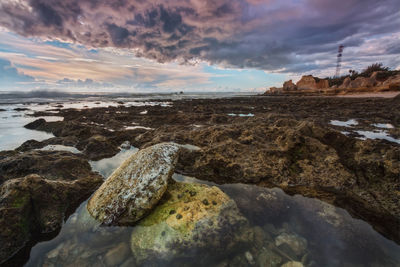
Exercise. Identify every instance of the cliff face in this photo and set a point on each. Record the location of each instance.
(309, 82)
(378, 81)
(322, 84)
(391, 83)
(289, 86)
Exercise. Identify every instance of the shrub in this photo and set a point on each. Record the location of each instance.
(372, 68)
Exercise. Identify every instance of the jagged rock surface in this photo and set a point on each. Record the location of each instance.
(39, 190)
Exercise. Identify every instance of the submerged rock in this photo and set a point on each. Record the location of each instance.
(117, 254)
(135, 187)
(192, 219)
(293, 264)
(297, 243)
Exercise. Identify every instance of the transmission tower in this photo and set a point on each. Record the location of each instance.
(339, 60)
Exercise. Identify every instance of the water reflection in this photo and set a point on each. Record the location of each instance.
(106, 166)
(13, 133)
(347, 123)
(287, 229)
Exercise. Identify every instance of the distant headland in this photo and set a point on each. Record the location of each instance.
(374, 79)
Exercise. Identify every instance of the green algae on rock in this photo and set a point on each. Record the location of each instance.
(191, 218)
(33, 205)
(135, 187)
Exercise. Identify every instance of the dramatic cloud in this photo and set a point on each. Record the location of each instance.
(273, 35)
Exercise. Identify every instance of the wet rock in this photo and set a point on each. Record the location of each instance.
(98, 147)
(286, 155)
(239, 260)
(293, 264)
(52, 165)
(34, 205)
(72, 253)
(135, 187)
(270, 228)
(35, 124)
(21, 109)
(30, 144)
(258, 203)
(249, 258)
(128, 263)
(268, 258)
(126, 145)
(297, 243)
(117, 255)
(259, 236)
(209, 229)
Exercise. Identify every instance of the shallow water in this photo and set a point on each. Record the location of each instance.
(381, 134)
(383, 125)
(12, 131)
(366, 134)
(347, 123)
(61, 148)
(12, 122)
(137, 127)
(325, 235)
(241, 115)
(106, 166)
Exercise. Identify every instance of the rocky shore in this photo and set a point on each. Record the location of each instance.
(285, 142)
(376, 82)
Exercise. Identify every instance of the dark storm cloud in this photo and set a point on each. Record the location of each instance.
(269, 34)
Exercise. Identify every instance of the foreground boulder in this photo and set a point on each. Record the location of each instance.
(192, 219)
(33, 205)
(135, 187)
(38, 190)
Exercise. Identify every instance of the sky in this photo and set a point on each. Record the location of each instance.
(189, 45)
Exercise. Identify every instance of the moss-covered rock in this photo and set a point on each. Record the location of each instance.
(192, 218)
(32, 205)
